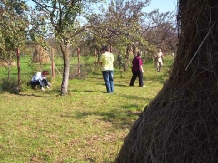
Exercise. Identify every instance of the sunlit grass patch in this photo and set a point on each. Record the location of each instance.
(87, 125)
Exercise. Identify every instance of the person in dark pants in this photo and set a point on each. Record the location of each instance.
(137, 70)
(40, 79)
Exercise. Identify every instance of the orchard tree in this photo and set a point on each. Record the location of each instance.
(120, 26)
(59, 18)
(128, 28)
(13, 23)
(160, 30)
(180, 124)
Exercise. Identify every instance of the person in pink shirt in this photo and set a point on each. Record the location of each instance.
(137, 70)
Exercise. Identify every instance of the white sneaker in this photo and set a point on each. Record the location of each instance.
(43, 89)
(48, 87)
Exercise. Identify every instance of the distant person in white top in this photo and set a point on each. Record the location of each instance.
(40, 79)
(159, 60)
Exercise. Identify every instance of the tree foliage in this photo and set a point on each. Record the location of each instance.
(160, 30)
(124, 25)
(58, 17)
(119, 26)
(13, 23)
(128, 27)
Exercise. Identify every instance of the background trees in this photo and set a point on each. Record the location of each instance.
(13, 23)
(161, 30)
(124, 25)
(128, 27)
(60, 18)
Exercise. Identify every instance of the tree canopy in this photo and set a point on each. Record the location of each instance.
(124, 25)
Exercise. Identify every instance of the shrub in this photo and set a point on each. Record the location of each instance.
(11, 85)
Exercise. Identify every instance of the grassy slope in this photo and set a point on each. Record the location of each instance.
(85, 126)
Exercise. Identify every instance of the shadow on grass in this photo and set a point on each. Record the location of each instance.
(120, 119)
(84, 91)
(31, 95)
(134, 97)
(160, 77)
(39, 93)
(121, 85)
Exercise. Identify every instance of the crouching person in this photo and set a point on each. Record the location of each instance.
(40, 79)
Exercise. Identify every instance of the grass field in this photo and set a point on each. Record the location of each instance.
(85, 126)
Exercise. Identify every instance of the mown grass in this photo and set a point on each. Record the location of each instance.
(85, 126)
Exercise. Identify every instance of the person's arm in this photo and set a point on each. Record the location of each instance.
(100, 60)
(141, 67)
(162, 57)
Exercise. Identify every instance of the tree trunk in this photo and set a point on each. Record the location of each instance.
(126, 61)
(66, 57)
(78, 55)
(9, 71)
(180, 124)
(18, 69)
(52, 64)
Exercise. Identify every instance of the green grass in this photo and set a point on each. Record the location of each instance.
(85, 126)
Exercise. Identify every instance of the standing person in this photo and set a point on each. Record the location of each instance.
(107, 67)
(137, 70)
(159, 60)
(40, 79)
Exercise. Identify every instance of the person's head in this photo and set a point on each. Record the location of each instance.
(139, 53)
(105, 48)
(45, 73)
(159, 49)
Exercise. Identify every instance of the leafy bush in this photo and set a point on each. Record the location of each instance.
(11, 85)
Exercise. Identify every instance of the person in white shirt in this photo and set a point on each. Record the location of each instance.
(40, 79)
(159, 60)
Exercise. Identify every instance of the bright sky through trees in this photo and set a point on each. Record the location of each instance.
(162, 5)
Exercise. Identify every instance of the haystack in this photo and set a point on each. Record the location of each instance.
(181, 124)
(3, 63)
(40, 55)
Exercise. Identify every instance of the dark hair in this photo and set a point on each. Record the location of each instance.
(139, 53)
(105, 48)
(45, 72)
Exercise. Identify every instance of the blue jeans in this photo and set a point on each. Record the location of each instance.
(43, 83)
(109, 80)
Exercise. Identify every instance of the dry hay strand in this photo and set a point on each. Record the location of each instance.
(40, 55)
(181, 124)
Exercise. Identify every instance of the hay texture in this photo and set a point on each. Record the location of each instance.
(181, 124)
(40, 55)
(5, 64)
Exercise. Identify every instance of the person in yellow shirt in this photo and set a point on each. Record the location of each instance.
(107, 67)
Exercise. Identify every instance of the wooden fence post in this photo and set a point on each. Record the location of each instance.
(78, 55)
(18, 68)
